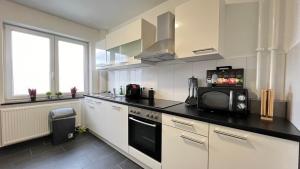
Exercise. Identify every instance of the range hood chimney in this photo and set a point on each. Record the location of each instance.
(163, 49)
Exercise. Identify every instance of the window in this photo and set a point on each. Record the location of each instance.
(43, 61)
(71, 65)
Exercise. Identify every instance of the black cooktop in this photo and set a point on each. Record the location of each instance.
(156, 103)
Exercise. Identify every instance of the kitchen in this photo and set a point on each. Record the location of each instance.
(168, 84)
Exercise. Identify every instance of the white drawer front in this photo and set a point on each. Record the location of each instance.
(186, 124)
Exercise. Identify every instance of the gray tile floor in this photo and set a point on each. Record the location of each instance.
(85, 152)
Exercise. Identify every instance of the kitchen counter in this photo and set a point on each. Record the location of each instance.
(279, 127)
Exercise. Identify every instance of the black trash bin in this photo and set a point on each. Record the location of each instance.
(62, 125)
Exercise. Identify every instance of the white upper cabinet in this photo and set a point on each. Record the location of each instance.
(128, 41)
(236, 149)
(199, 29)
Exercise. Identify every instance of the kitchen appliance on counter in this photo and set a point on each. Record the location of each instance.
(193, 85)
(145, 132)
(133, 91)
(231, 100)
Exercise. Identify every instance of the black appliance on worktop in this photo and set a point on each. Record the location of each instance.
(133, 91)
(230, 100)
(224, 92)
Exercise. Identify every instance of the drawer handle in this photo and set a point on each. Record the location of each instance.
(192, 139)
(92, 107)
(230, 134)
(201, 51)
(181, 122)
(99, 102)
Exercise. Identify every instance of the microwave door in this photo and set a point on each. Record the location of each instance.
(230, 101)
(215, 100)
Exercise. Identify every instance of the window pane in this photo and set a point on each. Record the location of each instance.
(100, 57)
(71, 66)
(30, 63)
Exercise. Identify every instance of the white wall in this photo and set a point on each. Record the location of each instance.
(292, 46)
(170, 81)
(16, 14)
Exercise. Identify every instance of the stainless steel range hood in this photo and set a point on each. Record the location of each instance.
(163, 49)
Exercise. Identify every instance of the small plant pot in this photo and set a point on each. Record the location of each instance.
(49, 97)
(33, 99)
(73, 95)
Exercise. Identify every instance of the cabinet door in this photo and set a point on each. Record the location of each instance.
(183, 149)
(90, 112)
(117, 125)
(197, 27)
(237, 149)
(100, 117)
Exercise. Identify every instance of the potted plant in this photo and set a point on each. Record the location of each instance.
(32, 94)
(58, 94)
(73, 92)
(49, 94)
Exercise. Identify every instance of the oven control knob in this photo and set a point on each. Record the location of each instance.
(152, 116)
(148, 115)
(156, 117)
(137, 112)
(241, 97)
(241, 106)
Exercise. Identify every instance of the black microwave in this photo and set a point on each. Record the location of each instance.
(232, 100)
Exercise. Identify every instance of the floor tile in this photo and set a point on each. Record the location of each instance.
(84, 152)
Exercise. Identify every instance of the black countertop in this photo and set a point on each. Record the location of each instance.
(156, 104)
(279, 127)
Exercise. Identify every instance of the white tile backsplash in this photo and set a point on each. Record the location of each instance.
(170, 81)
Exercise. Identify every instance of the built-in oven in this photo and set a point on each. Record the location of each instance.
(145, 132)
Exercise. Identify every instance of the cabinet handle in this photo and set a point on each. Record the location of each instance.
(230, 135)
(99, 102)
(192, 139)
(92, 107)
(201, 51)
(181, 122)
(116, 107)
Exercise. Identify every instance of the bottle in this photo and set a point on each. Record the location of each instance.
(121, 91)
(151, 93)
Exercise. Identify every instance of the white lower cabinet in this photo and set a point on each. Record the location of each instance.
(117, 125)
(181, 149)
(236, 149)
(108, 120)
(90, 114)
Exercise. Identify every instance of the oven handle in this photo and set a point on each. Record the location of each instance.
(141, 122)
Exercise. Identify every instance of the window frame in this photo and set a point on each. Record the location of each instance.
(56, 64)
(54, 72)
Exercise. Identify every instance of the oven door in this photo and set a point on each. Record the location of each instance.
(145, 136)
(215, 99)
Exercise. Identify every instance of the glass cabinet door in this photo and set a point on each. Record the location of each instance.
(131, 49)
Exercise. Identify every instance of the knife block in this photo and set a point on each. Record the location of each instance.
(267, 104)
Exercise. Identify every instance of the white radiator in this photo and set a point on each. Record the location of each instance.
(28, 122)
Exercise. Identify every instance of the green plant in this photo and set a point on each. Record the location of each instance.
(81, 130)
(58, 94)
(49, 94)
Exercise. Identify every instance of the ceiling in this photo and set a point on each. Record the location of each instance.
(100, 14)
